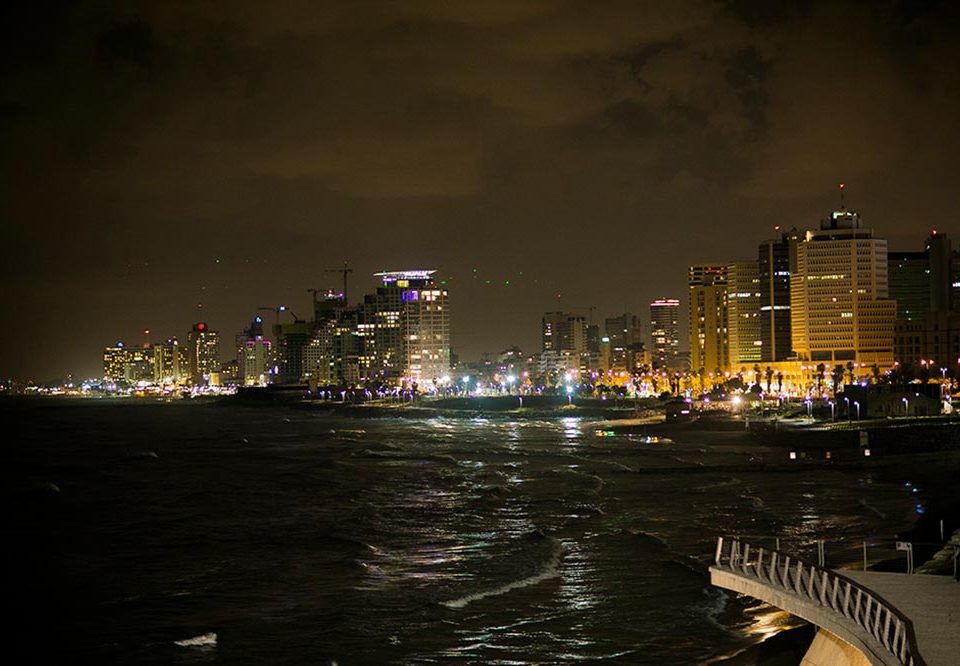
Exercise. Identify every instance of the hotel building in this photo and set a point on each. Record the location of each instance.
(840, 310)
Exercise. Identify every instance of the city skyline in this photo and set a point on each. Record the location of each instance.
(161, 158)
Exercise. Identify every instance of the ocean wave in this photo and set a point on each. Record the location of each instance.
(550, 569)
(205, 641)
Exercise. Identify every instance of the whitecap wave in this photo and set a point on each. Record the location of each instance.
(551, 569)
(207, 640)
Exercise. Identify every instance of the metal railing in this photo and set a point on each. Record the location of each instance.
(882, 622)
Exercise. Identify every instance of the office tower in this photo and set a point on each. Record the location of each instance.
(168, 363)
(563, 331)
(564, 337)
(411, 327)
(203, 347)
(941, 259)
(840, 310)
(908, 277)
(743, 313)
(625, 339)
(927, 331)
(775, 260)
(114, 362)
(709, 344)
(254, 355)
(291, 338)
(665, 332)
(140, 367)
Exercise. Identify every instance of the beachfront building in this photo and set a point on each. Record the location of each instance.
(203, 347)
(665, 333)
(709, 340)
(410, 318)
(776, 259)
(743, 314)
(840, 310)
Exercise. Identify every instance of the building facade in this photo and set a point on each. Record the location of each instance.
(840, 310)
(743, 313)
(776, 260)
(709, 340)
(203, 347)
(665, 333)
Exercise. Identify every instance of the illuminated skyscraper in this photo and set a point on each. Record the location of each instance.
(840, 312)
(114, 362)
(743, 313)
(709, 343)
(665, 332)
(775, 261)
(140, 367)
(411, 327)
(170, 363)
(204, 354)
(254, 355)
(564, 338)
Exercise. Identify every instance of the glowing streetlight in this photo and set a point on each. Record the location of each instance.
(833, 415)
(857, 405)
(906, 406)
(569, 394)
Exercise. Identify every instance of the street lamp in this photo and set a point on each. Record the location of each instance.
(569, 394)
(906, 406)
(833, 416)
(847, 400)
(857, 405)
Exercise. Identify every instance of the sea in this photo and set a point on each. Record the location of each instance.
(202, 533)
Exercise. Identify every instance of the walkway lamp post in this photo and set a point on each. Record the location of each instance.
(906, 406)
(857, 405)
(847, 400)
(833, 414)
(569, 394)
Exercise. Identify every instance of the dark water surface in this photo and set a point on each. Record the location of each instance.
(302, 538)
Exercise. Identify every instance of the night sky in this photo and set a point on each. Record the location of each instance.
(538, 154)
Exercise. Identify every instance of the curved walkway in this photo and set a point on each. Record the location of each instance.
(892, 619)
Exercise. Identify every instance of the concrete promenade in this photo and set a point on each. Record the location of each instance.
(882, 619)
(932, 603)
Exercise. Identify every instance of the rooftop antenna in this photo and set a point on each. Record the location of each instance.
(842, 207)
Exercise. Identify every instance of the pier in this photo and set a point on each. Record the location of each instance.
(882, 619)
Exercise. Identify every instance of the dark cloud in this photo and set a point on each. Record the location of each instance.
(594, 147)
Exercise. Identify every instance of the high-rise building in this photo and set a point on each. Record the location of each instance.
(624, 336)
(411, 331)
(665, 332)
(743, 313)
(170, 363)
(114, 362)
(927, 331)
(291, 338)
(254, 355)
(840, 310)
(564, 337)
(140, 367)
(709, 342)
(908, 276)
(203, 347)
(775, 262)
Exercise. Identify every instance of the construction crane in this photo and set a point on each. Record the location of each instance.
(344, 272)
(590, 308)
(277, 310)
